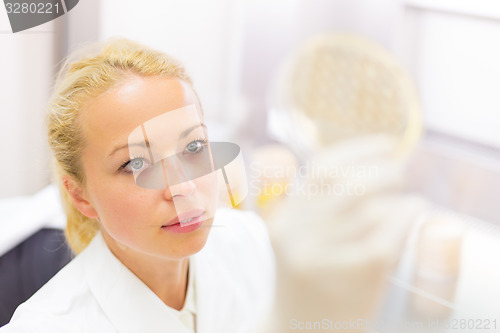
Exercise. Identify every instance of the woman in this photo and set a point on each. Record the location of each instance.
(133, 162)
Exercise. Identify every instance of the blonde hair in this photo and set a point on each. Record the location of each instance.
(77, 82)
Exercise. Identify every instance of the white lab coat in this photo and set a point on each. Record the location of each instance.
(234, 282)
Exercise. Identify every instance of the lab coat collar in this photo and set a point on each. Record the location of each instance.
(205, 296)
(127, 302)
(217, 292)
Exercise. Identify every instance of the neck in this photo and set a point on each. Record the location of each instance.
(167, 278)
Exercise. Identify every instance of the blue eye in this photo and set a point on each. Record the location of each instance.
(135, 165)
(195, 146)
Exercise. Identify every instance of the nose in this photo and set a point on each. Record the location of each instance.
(181, 185)
(183, 189)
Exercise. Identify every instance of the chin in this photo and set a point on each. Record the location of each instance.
(197, 243)
(190, 245)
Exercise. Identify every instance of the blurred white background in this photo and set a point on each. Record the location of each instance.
(232, 49)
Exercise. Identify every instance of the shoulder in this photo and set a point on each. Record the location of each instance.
(64, 304)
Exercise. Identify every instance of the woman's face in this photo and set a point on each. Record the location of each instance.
(134, 216)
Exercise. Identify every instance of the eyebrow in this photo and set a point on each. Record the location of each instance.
(139, 144)
(145, 144)
(187, 131)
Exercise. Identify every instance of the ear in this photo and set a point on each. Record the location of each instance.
(79, 197)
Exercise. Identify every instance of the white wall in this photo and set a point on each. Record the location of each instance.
(452, 48)
(26, 67)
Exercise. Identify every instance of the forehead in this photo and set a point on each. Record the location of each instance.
(113, 115)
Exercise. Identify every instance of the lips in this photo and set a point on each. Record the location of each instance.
(185, 218)
(186, 222)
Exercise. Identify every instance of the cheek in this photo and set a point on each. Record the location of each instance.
(208, 186)
(123, 208)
